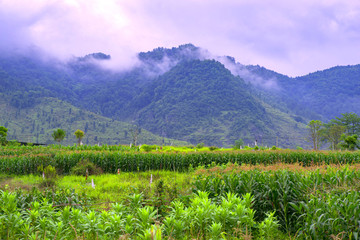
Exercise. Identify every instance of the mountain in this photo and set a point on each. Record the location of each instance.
(182, 93)
(37, 123)
(320, 95)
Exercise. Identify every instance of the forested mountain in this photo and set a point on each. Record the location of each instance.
(323, 94)
(37, 123)
(179, 93)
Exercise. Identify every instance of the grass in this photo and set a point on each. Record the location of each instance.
(110, 187)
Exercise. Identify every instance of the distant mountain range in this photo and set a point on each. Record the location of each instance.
(182, 93)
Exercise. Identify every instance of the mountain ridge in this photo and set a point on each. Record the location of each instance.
(159, 82)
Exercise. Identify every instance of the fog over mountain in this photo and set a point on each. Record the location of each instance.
(184, 93)
(290, 38)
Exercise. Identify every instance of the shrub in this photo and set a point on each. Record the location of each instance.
(80, 168)
(273, 148)
(200, 145)
(49, 176)
(212, 148)
(148, 148)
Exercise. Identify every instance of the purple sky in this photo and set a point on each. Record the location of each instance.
(290, 37)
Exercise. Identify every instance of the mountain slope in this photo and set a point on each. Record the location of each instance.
(177, 93)
(322, 95)
(36, 124)
(201, 101)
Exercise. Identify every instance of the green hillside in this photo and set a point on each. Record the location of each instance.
(36, 124)
(322, 94)
(201, 101)
(172, 93)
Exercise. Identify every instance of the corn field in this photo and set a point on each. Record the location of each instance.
(203, 219)
(313, 205)
(25, 160)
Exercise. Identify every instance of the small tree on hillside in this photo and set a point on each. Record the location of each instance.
(58, 135)
(314, 136)
(79, 135)
(3, 134)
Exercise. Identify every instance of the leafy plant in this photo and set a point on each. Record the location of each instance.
(212, 148)
(86, 167)
(200, 145)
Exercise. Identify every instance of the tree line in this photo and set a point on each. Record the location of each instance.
(340, 133)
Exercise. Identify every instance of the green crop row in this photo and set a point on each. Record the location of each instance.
(314, 205)
(111, 161)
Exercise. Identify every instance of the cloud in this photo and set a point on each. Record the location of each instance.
(290, 37)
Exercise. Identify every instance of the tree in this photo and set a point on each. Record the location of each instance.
(349, 142)
(314, 137)
(79, 135)
(134, 132)
(351, 121)
(238, 143)
(58, 135)
(332, 133)
(3, 134)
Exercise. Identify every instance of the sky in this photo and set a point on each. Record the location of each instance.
(292, 37)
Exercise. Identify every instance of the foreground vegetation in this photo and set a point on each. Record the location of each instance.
(132, 193)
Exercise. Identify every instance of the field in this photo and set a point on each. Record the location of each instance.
(153, 192)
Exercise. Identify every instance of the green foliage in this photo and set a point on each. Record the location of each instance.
(314, 136)
(285, 194)
(148, 148)
(200, 145)
(349, 142)
(329, 215)
(25, 160)
(332, 133)
(238, 144)
(350, 121)
(3, 134)
(79, 135)
(213, 148)
(202, 219)
(84, 166)
(49, 176)
(59, 135)
(273, 148)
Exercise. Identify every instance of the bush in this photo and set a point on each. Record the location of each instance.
(147, 148)
(49, 176)
(273, 148)
(80, 168)
(212, 148)
(238, 144)
(256, 148)
(200, 145)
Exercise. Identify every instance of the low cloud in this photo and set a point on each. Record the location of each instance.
(292, 38)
